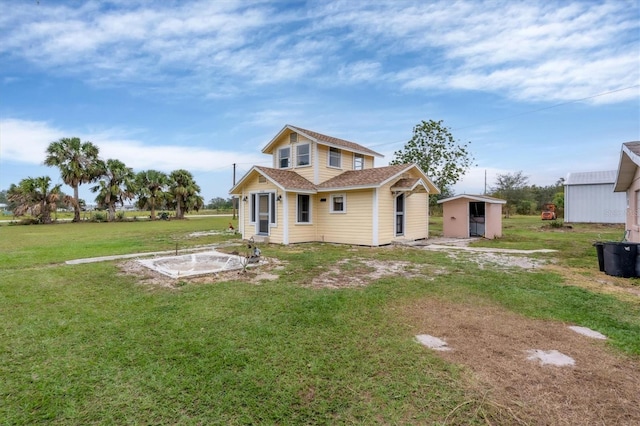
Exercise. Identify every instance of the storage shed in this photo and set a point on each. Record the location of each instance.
(589, 198)
(465, 216)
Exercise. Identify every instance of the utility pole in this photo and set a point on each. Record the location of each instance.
(233, 199)
(485, 182)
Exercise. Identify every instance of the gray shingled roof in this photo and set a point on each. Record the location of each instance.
(591, 178)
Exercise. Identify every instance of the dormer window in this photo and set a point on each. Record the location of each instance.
(283, 157)
(335, 157)
(358, 162)
(302, 155)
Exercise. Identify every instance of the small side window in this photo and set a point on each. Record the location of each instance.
(335, 157)
(358, 162)
(302, 155)
(338, 203)
(283, 157)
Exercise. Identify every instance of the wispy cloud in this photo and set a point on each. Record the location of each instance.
(522, 50)
(26, 142)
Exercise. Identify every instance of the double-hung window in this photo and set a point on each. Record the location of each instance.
(304, 208)
(338, 203)
(302, 155)
(358, 162)
(283, 157)
(334, 157)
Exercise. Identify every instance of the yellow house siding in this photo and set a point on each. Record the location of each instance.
(386, 217)
(306, 171)
(416, 216)
(254, 186)
(352, 227)
(301, 232)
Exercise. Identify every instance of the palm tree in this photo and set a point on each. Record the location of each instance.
(34, 195)
(184, 192)
(118, 186)
(151, 185)
(78, 163)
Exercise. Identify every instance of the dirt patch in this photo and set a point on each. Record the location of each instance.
(360, 272)
(601, 388)
(624, 288)
(498, 260)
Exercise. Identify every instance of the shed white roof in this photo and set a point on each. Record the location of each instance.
(480, 198)
(591, 178)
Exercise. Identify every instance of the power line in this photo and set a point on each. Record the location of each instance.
(526, 112)
(549, 107)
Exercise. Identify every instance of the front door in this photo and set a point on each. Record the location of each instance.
(400, 215)
(263, 214)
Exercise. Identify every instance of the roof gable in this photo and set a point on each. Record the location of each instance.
(286, 180)
(629, 162)
(375, 177)
(322, 140)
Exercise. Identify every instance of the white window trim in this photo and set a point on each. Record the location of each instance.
(279, 159)
(253, 213)
(329, 158)
(309, 154)
(354, 161)
(344, 203)
(310, 222)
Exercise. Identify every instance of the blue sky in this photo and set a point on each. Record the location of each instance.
(546, 87)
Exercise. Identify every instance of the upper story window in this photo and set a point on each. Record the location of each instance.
(303, 155)
(335, 157)
(338, 203)
(358, 162)
(283, 157)
(293, 137)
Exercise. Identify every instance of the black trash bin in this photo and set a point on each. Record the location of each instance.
(600, 250)
(620, 259)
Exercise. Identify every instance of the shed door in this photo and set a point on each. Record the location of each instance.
(476, 219)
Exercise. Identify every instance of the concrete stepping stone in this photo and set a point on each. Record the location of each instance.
(551, 357)
(588, 332)
(432, 342)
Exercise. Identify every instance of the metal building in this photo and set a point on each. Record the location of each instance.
(589, 198)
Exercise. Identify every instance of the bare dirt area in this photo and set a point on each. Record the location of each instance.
(494, 344)
(623, 288)
(360, 272)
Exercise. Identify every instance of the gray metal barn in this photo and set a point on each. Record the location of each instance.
(589, 198)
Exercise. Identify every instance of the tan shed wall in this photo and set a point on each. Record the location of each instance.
(633, 211)
(493, 221)
(352, 227)
(455, 218)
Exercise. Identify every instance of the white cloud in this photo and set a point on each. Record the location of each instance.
(26, 142)
(523, 50)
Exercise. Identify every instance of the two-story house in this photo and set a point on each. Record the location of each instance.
(322, 188)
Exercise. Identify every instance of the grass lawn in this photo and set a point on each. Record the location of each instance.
(87, 344)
